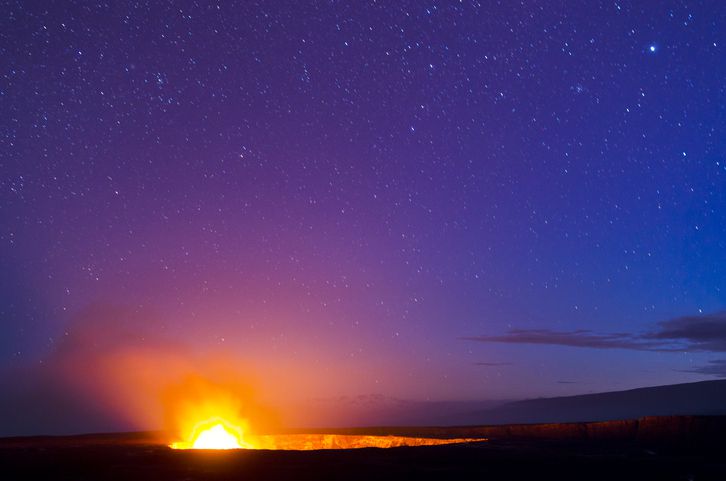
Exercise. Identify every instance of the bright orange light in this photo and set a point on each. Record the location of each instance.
(215, 433)
(216, 437)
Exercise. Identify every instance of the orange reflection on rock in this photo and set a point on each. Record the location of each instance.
(307, 442)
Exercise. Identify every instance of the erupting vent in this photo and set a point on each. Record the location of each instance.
(216, 433)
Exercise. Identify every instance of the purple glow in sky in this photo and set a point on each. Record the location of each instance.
(444, 200)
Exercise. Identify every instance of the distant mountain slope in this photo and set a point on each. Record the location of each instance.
(699, 398)
(705, 398)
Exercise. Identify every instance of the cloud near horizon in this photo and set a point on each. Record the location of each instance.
(689, 333)
(716, 368)
(578, 338)
(705, 332)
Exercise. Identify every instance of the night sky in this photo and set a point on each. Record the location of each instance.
(427, 201)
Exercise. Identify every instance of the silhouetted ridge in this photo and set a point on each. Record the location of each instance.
(699, 398)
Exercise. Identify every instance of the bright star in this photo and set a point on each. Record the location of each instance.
(652, 48)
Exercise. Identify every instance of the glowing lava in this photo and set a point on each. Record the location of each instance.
(308, 442)
(216, 437)
(215, 433)
(218, 434)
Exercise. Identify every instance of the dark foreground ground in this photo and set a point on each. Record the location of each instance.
(682, 448)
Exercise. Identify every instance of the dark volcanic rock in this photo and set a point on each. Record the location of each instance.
(662, 448)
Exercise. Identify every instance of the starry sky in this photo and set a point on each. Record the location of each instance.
(423, 200)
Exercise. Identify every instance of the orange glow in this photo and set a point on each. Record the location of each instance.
(207, 415)
(307, 442)
(202, 400)
(223, 436)
(215, 433)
